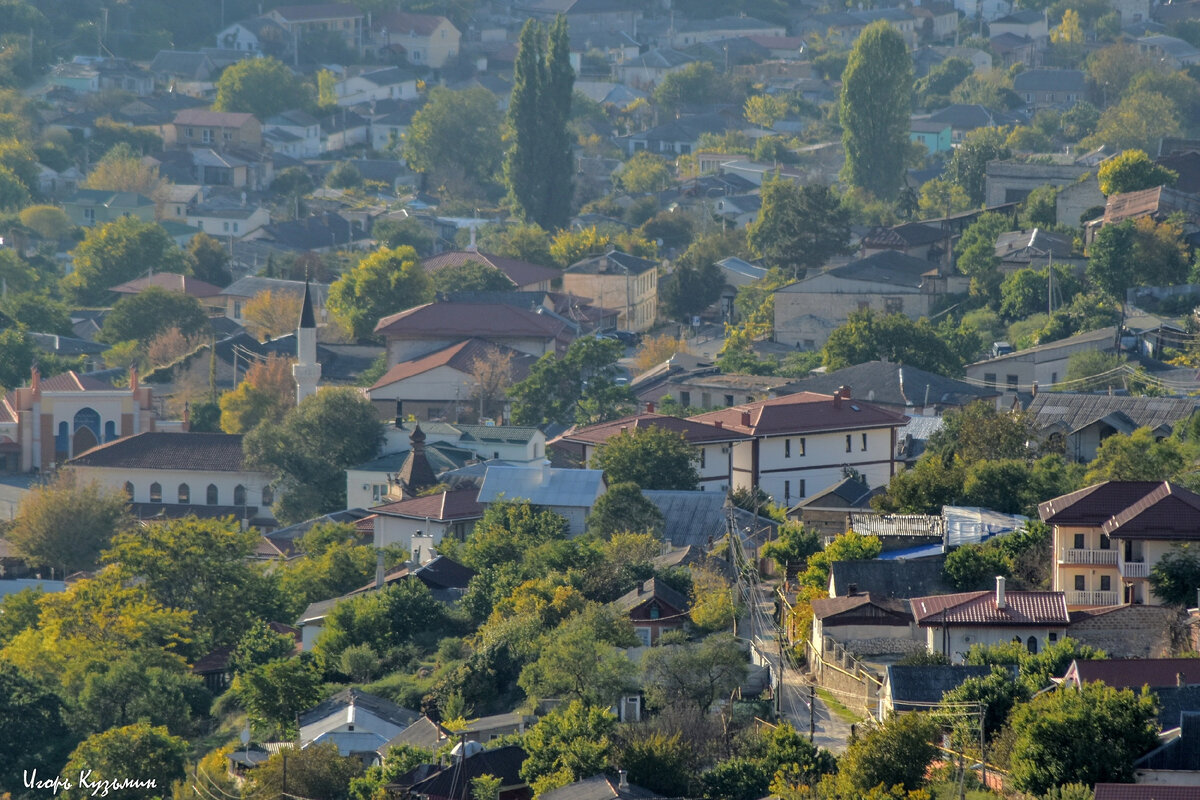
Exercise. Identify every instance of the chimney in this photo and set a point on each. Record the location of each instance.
(837, 398)
(650, 407)
(844, 391)
(133, 378)
(1033, 389)
(378, 569)
(1179, 680)
(1000, 601)
(400, 415)
(187, 416)
(622, 780)
(745, 419)
(471, 246)
(852, 590)
(718, 423)
(641, 588)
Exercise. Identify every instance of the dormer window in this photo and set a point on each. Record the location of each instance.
(654, 612)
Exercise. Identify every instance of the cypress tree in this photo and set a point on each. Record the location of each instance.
(559, 163)
(875, 105)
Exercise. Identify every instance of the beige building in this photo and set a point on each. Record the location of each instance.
(300, 20)
(1109, 536)
(427, 40)
(198, 127)
(616, 280)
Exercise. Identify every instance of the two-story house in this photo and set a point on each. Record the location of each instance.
(294, 133)
(198, 127)
(389, 83)
(342, 18)
(619, 281)
(805, 442)
(713, 443)
(431, 327)
(1109, 536)
(90, 207)
(427, 40)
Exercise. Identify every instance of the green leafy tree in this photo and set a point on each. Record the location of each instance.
(1138, 121)
(472, 276)
(461, 128)
(507, 532)
(689, 290)
(309, 450)
(568, 744)
(49, 222)
(712, 601)
(623, 508)
(976, 254)
(898, 753)
(538, 167)
(931, 483)
(850, 546)
(972, 567)
(575, 664)
(14, 195)
(117, 252)
(209, 260)
(138, 752)
(874, 111)
(799, 227)
(148, 313)
(143, 686)
(199, 566)
(1088, 735)
(32, 726)
(644, 172)
(579, 387)
(656, 761)
(980, 431)
(260, 645)
(66, 523)
(999, 692)
(319, 771)
(794, 545)
(386, 282)
(344, 175)
(693, 675)
(275, 693)
(1136, 457)
(1132, 171)
(870, 336)
(652, 457)
(695, 84)
(384, 619)
(409, 232)
(16, 357)
(933, 91)
(969, 162)
(1176, 576)
(261, 86)
(1137, 253)
(37, 311)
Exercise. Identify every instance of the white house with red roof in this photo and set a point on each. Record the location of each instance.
(431, 327)
(953, 623)
(525, 277)
(805, 442)
(53, 419)
(713, 443)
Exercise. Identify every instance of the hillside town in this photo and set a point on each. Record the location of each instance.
(600, 399)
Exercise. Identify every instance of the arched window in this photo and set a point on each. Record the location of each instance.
(156, 493)
(185, 494)
(129, 490)
(1032, 645)
(268, 496)
(110, 431)
(212, 498)
(239, 495)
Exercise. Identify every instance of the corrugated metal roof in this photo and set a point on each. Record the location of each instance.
(543, 486)
(698, 518)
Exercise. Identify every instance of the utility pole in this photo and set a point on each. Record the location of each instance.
(285, 772)
(812, 712)
(982, 747)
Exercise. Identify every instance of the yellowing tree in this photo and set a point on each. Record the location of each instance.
(269, 314)
(712, 600)
(657, 349)
(122, 170)
(267, 392)
(1069, 31)
(764, 110)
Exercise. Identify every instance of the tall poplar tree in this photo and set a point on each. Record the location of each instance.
(875, 105)
(539, 164)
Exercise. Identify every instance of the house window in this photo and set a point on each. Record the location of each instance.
(703, 450)
(129, 490)
(156, 493)
(179, 211)
(191, 134)
(893, 305)
(1011, 380)
(237, 309)
(644, 635)
(212, 495)
(1079, 583)
(801, 440)
(810, 344)
(728, 400)
(1079, 545)
(787, 448)
(1105, 542)
(226, 226)
(268, 496)
(685, 398)
(1052, 638)
(89, 214)
(849, 446)
(239, 495)
(655, 611)
(206, 136)
(705, 400)
(1032, 645)
(227, 136)
(990, 379)
(800, 489)
(787, 493)
(864, 441)
(185, 494)
(1106, 583)
(378, 492)
(1054, 377)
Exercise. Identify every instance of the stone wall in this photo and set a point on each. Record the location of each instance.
(884, 646)
(1132, 631)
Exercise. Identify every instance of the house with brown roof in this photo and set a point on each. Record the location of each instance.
(443, 385)
(864, 624)
(654, 608)
(220, 130)
(621, 281)
(1157, 203)
(426, 40)
(525, 277)
(171, 474)
(713, 443)
(1134, 673)
(807, 441)
(451, 513)
(1109, 536)
(953, 623)
(428, 328)
(53, 419)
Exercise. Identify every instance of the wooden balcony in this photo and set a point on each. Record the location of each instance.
(1069, 555)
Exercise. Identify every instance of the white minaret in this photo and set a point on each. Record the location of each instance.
(306, 370)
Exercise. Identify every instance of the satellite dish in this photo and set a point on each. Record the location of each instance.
(245, 737)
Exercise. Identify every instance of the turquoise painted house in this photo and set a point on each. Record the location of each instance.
(934, 135)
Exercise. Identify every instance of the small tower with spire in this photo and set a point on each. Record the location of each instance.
(307, 370)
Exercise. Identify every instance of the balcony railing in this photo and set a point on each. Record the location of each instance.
(1135, 569)
(1092, 599)
(1069, 555)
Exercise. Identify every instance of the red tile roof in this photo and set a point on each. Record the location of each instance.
(693, 431)
(196, 452)
(979, 608)
(1093, 505)
(461, 356)
(398, 22)
(1134, 673)
(802, 412)
(1145, 791)
(172, 282)
(521, 273)
(466, 320)
(1168, 512)
(455, 504)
